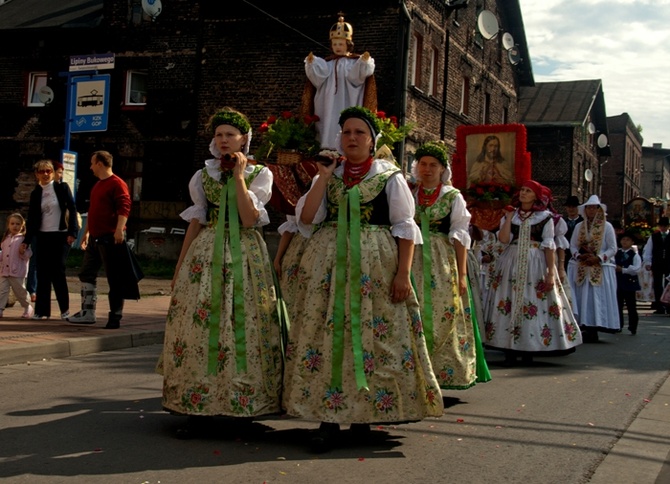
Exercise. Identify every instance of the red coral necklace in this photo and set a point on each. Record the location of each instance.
(353, 174)
(428, 199)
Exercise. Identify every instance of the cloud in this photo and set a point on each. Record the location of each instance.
(625, 43)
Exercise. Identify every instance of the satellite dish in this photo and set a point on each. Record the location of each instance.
(602, 141)
(507, 41)
(487, 23)
(514, 55)
(588, 175)
(45, 94)
(591, 128)
(152, 8)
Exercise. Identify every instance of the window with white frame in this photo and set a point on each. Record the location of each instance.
(417, 48)
(36, 81)
(136, 88)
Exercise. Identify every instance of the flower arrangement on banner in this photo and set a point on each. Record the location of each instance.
(288, 132)
(641, 229)
(490, 191)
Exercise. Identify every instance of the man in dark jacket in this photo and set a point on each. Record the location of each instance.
(657, 259)
(571, 219)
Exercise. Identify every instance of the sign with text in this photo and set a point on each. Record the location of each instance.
(69, 161)
(91, 62)
(89, 102)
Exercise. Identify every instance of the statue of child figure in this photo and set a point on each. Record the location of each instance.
(337, 82)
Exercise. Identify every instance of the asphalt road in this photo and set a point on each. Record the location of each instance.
(98, 418)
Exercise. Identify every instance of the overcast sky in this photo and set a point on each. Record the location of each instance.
(625, 43)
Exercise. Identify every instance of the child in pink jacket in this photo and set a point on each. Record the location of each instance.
(14, 265)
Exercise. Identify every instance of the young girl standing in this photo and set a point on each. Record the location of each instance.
(14, 267)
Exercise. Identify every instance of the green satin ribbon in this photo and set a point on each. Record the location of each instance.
(427, 314)
(483, 373)
(228, 200)
(350, 204)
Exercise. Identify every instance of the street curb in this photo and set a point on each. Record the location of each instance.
(22, 353)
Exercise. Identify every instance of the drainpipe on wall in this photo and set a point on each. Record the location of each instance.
(445, 83)
(403, 67)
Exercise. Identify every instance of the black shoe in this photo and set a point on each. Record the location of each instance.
(325, 438)
(632, 331)
(660, 311)
(360, 430)
(113, 321)
(195, 427)
(510, 359)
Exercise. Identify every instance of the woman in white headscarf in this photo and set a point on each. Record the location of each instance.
(592, 271)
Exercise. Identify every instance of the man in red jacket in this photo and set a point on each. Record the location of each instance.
(104, 233)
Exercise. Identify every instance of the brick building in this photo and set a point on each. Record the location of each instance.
(433, 67)
(567, 136)
(621, 173)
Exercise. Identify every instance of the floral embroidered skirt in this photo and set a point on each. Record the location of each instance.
(375, 371)
(453, 354)
(545, 322)
(197, 381)
(290, 265)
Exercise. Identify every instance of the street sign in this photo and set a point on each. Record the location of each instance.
(91, 62)
(89, 102)
(69, 161)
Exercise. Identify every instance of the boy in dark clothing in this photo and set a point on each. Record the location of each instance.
(628, 263)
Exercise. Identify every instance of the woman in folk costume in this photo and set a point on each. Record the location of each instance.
(562, 244)
(592, 273)
(356, 352)
(440, 273)
(222, 352)
(527, 313)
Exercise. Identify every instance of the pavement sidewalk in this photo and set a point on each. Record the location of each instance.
(24, 340)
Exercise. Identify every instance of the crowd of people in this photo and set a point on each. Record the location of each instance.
(35, 249)
(374, 303)
(382, 293)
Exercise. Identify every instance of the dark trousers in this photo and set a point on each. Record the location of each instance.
(31, 280)
(629, 299)
(50, 268)
(659, 278)
(103, 252)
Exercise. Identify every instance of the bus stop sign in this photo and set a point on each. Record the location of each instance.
(89, 103)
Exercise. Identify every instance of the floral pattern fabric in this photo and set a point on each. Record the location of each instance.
(453, 355)
(188, 385)
(401, 386)
(544, 322)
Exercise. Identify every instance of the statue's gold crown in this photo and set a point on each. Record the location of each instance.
(341, 30)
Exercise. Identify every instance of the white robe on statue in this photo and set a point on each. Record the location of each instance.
(339, 83)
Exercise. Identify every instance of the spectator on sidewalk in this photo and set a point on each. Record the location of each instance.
(52, 224)
(656, 257)
(104, 244)
(628, 264)
(15, 256)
